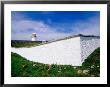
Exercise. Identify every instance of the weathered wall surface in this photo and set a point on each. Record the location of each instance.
(88, 45)
(60, 52)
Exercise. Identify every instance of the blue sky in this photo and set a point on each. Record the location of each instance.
(53, 24)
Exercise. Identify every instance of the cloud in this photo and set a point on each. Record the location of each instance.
(22, 30)
(88, 27)
(23, 27)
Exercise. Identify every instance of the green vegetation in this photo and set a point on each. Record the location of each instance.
(92, 63)
(19, 44)
(20, 67)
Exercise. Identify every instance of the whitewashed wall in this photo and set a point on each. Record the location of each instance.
(88, 45)
(61, 52)
(65, 52)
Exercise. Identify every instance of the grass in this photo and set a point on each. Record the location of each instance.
(20, 67)
(20, 44)
(92, 63)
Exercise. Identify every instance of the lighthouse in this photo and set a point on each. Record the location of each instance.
(33, 37)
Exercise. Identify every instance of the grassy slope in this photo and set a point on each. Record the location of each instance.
(25, 44)
(92, 63)
(20, 67)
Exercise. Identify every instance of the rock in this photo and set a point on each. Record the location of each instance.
(65, 68)
(59, 71)
(79, 71)
(97, 66)
(92, 66)
(34, 64)
(85, 71)
(74, 67)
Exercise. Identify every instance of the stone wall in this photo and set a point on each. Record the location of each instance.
(88, 45)
(71, 51)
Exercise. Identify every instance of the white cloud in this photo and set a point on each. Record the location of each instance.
(90, 27)
(36, 26)
(22, 29)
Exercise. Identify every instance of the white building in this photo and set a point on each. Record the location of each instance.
(68, 51)
(33, 37)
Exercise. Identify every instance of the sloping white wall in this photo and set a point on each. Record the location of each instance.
(60, 52)
(88, 45)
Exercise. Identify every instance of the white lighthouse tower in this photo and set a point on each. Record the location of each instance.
(33, 37)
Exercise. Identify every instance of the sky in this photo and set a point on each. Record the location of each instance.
(49, 25)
